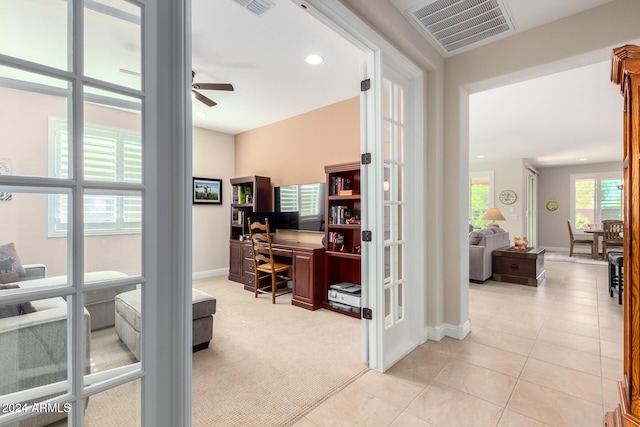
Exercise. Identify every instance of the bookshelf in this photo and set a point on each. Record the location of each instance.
(258, 189)
(248, 194)
(342, 228)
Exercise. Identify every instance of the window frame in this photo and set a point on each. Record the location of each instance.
(481, 174)
(118, 225)
(598, 177)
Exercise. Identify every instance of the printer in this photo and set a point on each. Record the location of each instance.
(345, 296)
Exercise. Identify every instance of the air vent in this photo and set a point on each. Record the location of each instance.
(455, 24)
(257, 7)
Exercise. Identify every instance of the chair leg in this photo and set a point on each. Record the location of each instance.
(611, 279)
(274, 286)
(571, 249)
(620, 284)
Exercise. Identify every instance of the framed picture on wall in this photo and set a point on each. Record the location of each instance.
(207, 191)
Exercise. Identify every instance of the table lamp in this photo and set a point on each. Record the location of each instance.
(494, 215)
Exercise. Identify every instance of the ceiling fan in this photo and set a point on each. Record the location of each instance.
(207, 86)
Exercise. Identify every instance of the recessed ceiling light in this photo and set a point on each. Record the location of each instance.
(314, 59)
(200, 113)
(583, 159)
(481, 156)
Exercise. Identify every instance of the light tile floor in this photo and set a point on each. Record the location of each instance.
(546, 356)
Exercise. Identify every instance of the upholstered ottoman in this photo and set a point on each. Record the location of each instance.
(127, 313)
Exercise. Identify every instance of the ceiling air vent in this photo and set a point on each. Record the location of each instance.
(257, 7)
(455, 24)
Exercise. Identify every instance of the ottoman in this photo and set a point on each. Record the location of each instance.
(127, 319)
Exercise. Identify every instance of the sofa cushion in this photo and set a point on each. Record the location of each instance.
(11, 268)
(11, 310)
(474, 237)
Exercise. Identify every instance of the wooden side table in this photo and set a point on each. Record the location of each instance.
(522, 266)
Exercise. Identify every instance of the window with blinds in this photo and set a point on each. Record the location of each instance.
(594, 198)
(113, 155)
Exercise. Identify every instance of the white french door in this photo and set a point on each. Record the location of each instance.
(394, 264)
(391, 130)
(93, 178)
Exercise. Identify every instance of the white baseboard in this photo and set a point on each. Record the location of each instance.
(447, 330)
(210, 273)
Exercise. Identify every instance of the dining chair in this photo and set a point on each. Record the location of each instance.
(271, 277)
(611, 235)
(578, 242)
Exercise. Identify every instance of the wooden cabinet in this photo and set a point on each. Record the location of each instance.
(625, 72)
(342, 228)
(307, 277)
(523, 266)
(248, 194)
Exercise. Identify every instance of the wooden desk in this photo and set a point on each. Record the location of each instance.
(308, 269)
(596, 242)
(522, 266)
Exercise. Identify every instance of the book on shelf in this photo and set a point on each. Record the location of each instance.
(336, 241)
(339, 214)
(338, 185)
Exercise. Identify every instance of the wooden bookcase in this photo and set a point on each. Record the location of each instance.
(342, 229)
(248, 194)
(258, 188)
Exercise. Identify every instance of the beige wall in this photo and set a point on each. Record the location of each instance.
(507, 175)
(554, 184)
(23, 220)
(213, 157)
(295, 150)
(581, 39)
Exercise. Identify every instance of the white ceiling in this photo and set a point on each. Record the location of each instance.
(554, 120)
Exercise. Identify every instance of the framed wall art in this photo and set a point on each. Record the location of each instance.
(207, 191)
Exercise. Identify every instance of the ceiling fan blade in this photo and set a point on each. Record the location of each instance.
(204, 99)
(213, 86)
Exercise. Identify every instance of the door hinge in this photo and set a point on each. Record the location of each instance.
(365, 85)
(365, 158)
(366, 235)
(367, 313)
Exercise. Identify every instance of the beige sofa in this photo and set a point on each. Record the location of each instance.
(481, 245)
(33, 346)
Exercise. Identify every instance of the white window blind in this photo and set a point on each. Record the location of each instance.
(595, 197)
(112, 155)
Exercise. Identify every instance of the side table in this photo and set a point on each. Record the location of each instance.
(522, 266)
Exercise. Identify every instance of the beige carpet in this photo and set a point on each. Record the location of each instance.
(268, 365)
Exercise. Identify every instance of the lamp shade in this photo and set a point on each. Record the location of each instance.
(494, 215)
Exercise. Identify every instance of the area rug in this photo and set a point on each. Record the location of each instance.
(575, 259)
(268, 364)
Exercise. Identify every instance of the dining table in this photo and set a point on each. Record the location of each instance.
(596, 232)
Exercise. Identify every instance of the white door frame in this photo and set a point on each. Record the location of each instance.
(380, 52)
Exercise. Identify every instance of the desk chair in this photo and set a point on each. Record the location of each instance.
(277, 274)
(611, 235)
(577, 242)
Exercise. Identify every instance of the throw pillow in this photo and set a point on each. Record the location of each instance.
(11, 310)
(11, 268)
(474, 237)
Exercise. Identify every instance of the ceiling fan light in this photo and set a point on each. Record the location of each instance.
(314, 59)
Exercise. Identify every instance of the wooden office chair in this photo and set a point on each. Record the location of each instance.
(271, 276)
(611, 235)
(578, 242)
